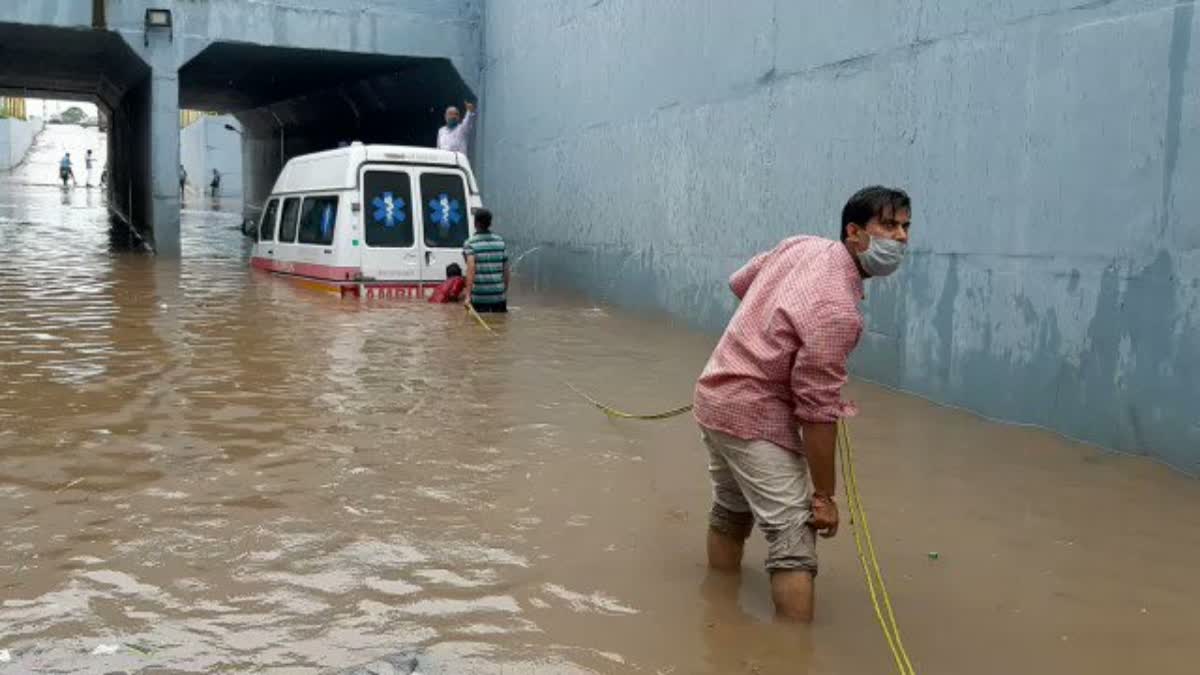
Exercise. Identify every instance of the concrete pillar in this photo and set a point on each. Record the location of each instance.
(152, 110)
(163, 207)
(261, 164)
(129, 156)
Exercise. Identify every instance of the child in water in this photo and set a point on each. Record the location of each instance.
(452, 288)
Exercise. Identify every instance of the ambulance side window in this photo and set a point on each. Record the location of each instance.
(318, 217)
(266, 228)
(287, 224)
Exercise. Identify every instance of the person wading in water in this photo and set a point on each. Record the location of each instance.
(769, 400)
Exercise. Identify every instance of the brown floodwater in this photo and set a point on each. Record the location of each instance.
(207, 469)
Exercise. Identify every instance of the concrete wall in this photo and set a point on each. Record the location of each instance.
(16, 137)
(58, 13)
(1052, 148)
(205, 145)
(263, 157)
(431, 28)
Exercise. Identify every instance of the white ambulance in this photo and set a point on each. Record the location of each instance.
(371, 221)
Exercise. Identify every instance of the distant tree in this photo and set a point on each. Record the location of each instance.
(73, 115)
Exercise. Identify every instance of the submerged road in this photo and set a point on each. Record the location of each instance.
(207, 469)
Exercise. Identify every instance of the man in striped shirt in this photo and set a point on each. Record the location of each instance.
(487, 266)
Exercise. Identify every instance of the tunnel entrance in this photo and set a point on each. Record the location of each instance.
(99, 67)
(295, 101)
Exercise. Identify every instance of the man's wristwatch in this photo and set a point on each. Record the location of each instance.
(821, 496)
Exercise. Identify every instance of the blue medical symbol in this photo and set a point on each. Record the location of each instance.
(445, 211)
(327, 221)
(389, 210)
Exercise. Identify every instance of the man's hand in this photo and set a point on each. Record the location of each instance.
(469, 106)
(820, 446)
(824, 516)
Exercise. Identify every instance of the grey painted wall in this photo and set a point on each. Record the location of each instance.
(1052, 148)
(205, 145)
(58, 13)
(427, 28)
(16, 137)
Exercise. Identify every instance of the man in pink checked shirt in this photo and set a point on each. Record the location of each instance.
(769, 399)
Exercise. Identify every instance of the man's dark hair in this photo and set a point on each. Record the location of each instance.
(870, 202)
(483, 219)
(453, 270)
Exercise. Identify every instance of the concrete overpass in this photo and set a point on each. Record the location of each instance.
(300, 77)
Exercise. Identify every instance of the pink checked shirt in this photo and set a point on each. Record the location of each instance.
(782, 359)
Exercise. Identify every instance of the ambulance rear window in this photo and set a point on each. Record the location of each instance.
(387, 209)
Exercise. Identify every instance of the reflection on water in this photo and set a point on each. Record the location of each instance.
(203, 468)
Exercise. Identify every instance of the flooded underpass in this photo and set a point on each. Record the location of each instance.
(207, 469)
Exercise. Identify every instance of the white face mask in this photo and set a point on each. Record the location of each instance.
(882, 257)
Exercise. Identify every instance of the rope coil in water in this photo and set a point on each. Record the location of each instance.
(880, 600)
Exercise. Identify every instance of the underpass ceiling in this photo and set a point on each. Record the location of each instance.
(67, 63)
(334, 94)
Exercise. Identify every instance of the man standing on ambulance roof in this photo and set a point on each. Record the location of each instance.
(456, 135)
(769, 400)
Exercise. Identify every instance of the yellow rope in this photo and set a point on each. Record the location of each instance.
(621, 414)
(473, 313)
(607, 410)
(868, 559)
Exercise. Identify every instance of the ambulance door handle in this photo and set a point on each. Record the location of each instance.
(428, 257)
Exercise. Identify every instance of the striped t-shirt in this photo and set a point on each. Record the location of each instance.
(491, 256)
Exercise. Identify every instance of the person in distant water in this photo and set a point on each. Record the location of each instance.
(451, 289)
(455, 135)
(88, 161)
(769, 400)
(182, 182)
(215, 185)
(487, 267)
(65, 172)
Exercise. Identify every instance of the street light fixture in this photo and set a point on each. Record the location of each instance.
(158, 19)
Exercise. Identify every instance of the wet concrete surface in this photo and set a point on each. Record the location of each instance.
(204, 468)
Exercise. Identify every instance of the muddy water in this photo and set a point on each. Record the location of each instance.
(206, 469)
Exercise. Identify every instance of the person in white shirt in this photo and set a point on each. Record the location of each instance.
(455, 135)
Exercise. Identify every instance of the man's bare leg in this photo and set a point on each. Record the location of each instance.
(792, 592)
(725, 551)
